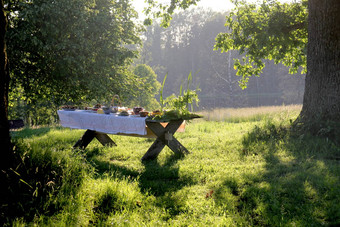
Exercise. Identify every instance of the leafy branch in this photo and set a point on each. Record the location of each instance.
(177, 107)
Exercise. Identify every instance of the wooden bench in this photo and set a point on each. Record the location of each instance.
(162, 131)
(100, 125)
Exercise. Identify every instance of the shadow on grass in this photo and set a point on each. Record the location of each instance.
(159, 179)
(30, 132)
(39, 182)
(156, 179)
(299, 184)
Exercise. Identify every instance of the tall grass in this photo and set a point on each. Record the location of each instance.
(250, 113)
(250, 173)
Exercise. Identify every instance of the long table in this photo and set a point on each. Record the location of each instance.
(99, 125)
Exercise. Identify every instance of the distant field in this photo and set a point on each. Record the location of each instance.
(250, 113)
(241, 172)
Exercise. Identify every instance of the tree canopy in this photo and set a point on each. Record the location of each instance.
(187, 46)
(165, 10)
(279, 31)
(270, 30)
(148, 89)
(71, 50)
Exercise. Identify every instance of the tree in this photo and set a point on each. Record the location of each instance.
(214, 71)
(71, 51)
(280, 32)
(148, 89)
(269, 31)
(5, 144)
(322, 90)
(58, 47)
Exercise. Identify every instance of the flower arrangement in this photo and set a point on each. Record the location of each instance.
(177, 107)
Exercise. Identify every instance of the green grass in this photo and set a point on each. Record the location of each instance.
(237, 115)
(244, 173)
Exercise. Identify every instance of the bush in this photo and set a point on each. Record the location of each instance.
(40, 181)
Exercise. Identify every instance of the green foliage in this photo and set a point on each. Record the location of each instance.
(165, 10)
(250, 173)
(177, 107)
(149, 87)
(270, 30)
(42, 112)
(186, 46)
(62, 51)
(43, 177)
(161, 99)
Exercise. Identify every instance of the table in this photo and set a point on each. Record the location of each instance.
(99, 125)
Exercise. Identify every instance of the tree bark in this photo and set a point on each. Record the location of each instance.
(5, 144)
(321, 103)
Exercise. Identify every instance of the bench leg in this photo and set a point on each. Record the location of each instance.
(104, 139)
(164, 137)
(85, 139)
(89, 135)
(154, 150)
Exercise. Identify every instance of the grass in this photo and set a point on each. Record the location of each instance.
(239, 173)
(237, 115)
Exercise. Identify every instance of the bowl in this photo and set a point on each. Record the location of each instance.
(123, 113)
(143, 113)
(137, 110)
(106, 110)
(114, 109)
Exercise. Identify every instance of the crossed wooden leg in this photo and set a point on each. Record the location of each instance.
(164, 137)
(89, 135)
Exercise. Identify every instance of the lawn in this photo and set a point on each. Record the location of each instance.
(246, 170)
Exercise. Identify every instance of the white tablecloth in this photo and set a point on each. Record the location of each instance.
(105, 123)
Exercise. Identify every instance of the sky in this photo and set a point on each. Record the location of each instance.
(216, 5)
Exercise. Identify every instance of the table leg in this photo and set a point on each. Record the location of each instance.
(85, 139)
(89, 135)
(154, 150)
(164, 137)
(104, 139)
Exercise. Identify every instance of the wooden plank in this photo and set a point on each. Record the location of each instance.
(85, 139)
(162, 131)
(154, 150)
(177, 147)
(150, 134)
(104, 139)
(164, 137)
(173, 143)
(173, 126)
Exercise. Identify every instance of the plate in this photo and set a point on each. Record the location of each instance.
(69, 109)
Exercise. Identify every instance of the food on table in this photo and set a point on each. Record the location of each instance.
(96, 107)
(114, 109)
(106, 109)
(156, 112)
(120, 109)
(68, 107)
(137, 110)
(143, 113)
(100, 111)
(124, 113)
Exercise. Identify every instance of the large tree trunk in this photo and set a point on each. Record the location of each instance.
(5, 144)
(321, 103)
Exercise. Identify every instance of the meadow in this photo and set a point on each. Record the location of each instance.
(246, 167)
